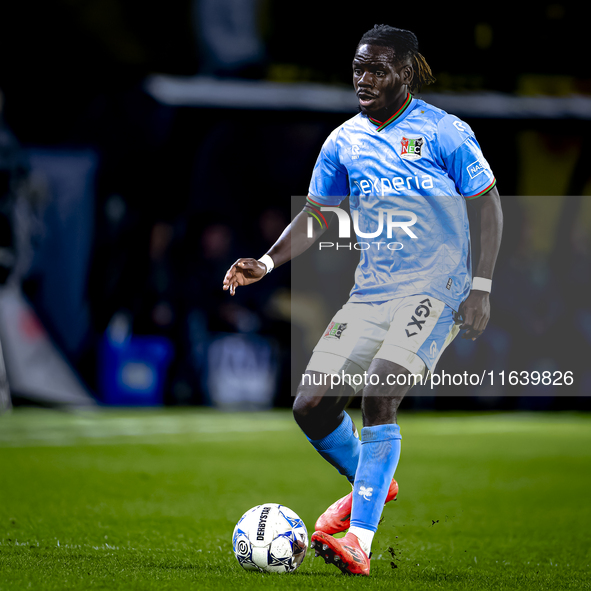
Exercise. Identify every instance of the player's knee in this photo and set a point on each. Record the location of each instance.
(318, 409)
(305, 408)
(317, 416)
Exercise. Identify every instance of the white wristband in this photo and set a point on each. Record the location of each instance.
(481, 284)
(268, 262)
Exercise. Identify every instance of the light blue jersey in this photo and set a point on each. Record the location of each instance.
(425, 163)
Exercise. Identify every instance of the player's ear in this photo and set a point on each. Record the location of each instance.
(407, 75)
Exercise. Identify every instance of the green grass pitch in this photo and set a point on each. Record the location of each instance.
(148, 499)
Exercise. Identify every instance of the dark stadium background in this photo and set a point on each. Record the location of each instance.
(176, 193)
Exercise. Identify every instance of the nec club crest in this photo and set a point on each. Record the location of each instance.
(412, 147)
(335, 330)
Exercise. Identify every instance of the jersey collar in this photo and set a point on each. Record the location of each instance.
(403, 109)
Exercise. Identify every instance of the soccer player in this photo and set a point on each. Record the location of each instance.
(409, 168)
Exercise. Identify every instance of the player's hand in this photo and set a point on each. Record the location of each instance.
(475, 311)
(243, 272)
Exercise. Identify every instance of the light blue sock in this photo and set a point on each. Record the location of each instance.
(380, 452)
(341, 448)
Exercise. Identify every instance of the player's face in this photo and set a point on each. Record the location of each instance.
(380, 85)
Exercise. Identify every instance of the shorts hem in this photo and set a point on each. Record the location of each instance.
(331, 363)
(403, 357)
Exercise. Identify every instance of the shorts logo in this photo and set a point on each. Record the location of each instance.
(433, 349)
(421, 311)
(475, 169)
(411, 148)
(335, 330)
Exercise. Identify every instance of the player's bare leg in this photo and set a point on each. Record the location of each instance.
(381, 401)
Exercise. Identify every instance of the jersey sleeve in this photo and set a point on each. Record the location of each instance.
(463, 158)
(330, 182)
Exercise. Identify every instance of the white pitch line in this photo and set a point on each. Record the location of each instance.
(103, 433)
(103, 547)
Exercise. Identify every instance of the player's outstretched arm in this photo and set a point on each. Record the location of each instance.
(475, 309)
(293, 241)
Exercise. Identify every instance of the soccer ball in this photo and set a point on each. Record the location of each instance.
(270, 538)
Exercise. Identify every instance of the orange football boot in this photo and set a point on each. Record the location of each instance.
(345, 553)
(337, 517)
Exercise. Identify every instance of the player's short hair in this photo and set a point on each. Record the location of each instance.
(405, 47)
